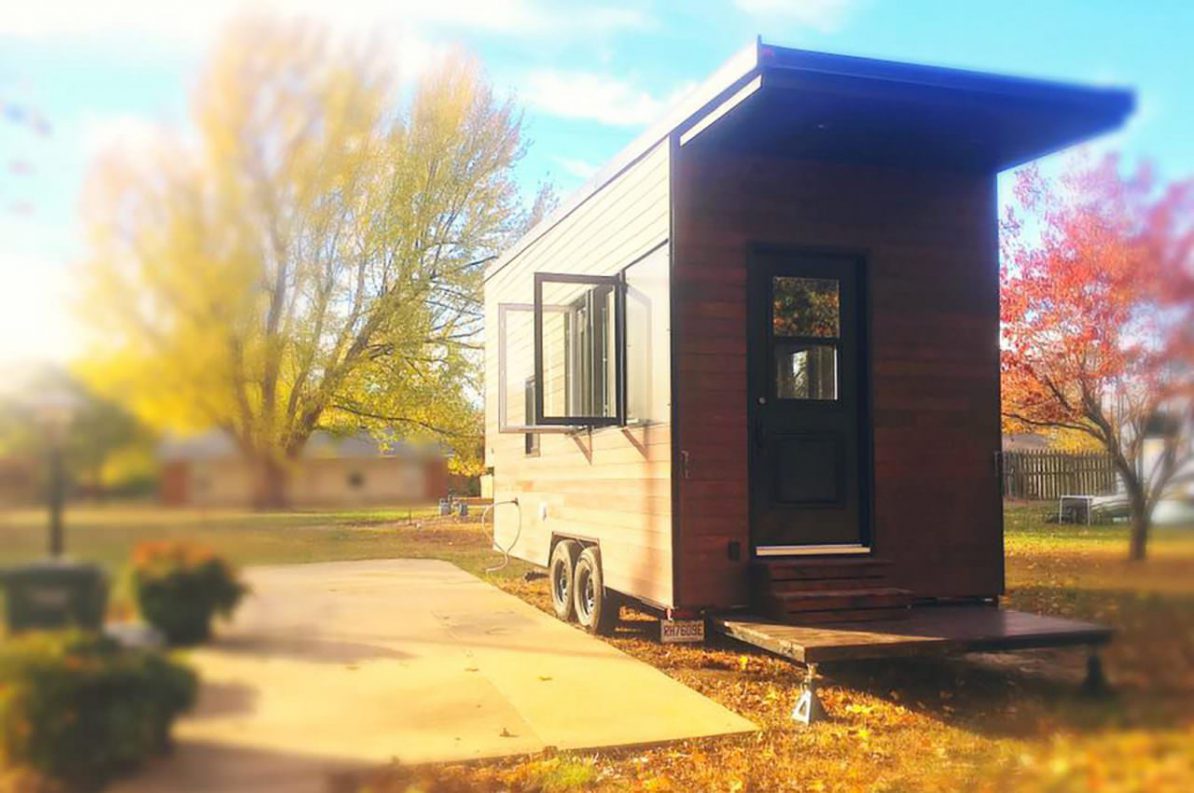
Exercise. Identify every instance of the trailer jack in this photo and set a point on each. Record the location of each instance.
(809, 709)
(1095, 684)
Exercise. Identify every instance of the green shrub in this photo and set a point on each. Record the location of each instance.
(180, 587)
(80, 708)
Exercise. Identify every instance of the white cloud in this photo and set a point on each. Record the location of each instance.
(191, 21)
(523, 16)
(123, 132)
(594, 97)
(415, 30)
(581, 169)
(823, 15)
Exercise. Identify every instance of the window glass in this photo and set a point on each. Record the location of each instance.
(556, 340)
(516, 364)
(579, 363)
(805, 307)
(531, 439)
(806, 371)
(648, 368)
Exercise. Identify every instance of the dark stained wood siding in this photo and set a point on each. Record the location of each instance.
(930, 243)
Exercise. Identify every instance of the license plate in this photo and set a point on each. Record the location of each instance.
(673, 631)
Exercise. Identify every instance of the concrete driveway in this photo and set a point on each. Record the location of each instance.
(338, 666)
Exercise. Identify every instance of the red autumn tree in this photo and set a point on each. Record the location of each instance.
(1098, 319)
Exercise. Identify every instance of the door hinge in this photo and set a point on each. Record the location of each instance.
(684, 473)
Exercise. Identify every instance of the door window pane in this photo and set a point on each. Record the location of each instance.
(805, 307)
(806, 371)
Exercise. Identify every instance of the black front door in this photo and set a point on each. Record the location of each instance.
(808, 461)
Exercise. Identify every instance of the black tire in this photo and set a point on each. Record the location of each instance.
(560, 572)
(596, 607)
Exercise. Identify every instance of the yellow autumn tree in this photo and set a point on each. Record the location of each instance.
(307, 254)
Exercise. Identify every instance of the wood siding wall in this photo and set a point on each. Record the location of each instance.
(930, 242)
(612, 485)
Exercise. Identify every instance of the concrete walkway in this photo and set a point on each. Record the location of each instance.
(338, 666)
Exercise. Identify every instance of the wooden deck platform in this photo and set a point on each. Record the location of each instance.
(926, 630)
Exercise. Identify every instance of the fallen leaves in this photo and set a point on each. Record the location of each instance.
(901, 724)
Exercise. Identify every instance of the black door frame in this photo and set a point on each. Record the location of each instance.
(865, 401)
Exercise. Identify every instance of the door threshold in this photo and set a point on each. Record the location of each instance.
(810, 550)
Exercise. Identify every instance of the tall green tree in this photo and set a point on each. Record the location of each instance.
(309, 254)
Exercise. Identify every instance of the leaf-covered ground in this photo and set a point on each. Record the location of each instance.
(978, 723)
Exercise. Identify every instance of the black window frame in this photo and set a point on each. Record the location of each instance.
(616, 283)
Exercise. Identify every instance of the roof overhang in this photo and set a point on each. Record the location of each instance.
(812, 105)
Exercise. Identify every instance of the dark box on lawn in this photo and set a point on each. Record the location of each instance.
(55, 594)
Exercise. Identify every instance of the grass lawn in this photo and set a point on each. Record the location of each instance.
(986, 723)
(107, 534)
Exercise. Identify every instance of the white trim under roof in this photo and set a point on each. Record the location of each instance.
(725, 107)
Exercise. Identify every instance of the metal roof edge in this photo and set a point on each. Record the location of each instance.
(773, 57)
(725, 77)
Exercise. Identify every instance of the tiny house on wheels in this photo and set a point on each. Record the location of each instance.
(749, 373)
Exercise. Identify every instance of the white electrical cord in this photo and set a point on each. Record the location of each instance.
(517, 534)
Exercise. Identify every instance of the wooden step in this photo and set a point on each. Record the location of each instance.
(817, 585)
(818, 591)
(836, 599)
(820, 569)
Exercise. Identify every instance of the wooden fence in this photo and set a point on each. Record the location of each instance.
(1049, 474)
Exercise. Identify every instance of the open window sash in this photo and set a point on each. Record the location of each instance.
(579, 344)
(516, 368)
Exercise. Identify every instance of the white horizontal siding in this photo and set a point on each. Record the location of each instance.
(614, 485)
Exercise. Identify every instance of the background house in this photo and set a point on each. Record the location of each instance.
(1024, 442)
(18, 480)
(208, 470)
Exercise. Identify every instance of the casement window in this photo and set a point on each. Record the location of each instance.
(579, 350)
(562, 358)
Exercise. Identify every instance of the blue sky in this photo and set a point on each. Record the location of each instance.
(76, 77)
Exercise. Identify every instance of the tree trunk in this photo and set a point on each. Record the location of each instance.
(1141, 518)
(271, 490)
(1138, 507)
(1139, 540)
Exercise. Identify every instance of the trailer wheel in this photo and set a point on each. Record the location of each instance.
(596, 607)
(561, 571)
